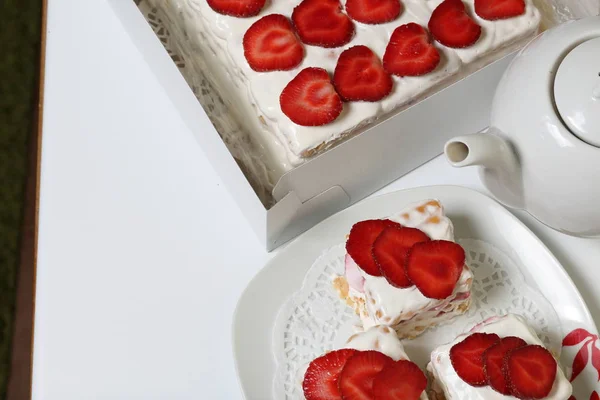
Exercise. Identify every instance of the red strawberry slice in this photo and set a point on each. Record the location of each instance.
(493, 359)
(322, 23)
(499, 9)
(530, 372)
(321, 377)
(373, 11)
(410, 52)
(310, 98)
(435, 267)
(356, 379)
(360, 243)
(452, 26)
(466, 357)
(237, 8)
(390, 251)
(271, 44)
(359, 75)
(401, 381)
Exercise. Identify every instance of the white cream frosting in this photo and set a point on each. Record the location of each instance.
(455, 388)
(496, 34)
(263, 89)
(380, 338)
(389, 305)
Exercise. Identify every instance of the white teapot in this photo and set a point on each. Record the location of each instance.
(541, 152)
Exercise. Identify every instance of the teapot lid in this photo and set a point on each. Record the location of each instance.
(577, 91)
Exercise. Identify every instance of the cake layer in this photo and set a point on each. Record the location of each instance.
(379, 303)
(418, 324)
(224, 35)
(449, 386)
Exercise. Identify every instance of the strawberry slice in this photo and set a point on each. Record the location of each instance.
(271, 44)
(410, 52)
(530, 372)
(360, 243)
(237, 8)
(452, 26)
(493, 359)
(356, 379)
(310, 98)
(401, 381)
(373, 11)
(467, 357)
(499, 9)
(321, 377)
(359, 75)
(390, 251)
(322, 23)
(435, 267)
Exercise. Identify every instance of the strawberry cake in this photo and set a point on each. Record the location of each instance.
(501, 358)
(372, 365)
(406, 271)
(305, 74)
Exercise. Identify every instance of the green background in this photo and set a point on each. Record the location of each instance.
(19, 53)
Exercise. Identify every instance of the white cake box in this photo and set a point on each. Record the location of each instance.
(351, 170)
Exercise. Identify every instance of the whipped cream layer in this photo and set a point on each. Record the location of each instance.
(454, 388)
(389, 305)
(225, 33)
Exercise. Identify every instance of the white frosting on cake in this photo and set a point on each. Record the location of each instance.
(380, 338)
(224, 34)
(495, 34)
(454, 388)
(389, 305)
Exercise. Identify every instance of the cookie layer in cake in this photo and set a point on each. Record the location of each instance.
(446, 384)
(407, 310)
(261, 91)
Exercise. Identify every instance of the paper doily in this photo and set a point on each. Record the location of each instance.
(190, 61)
(315, 320)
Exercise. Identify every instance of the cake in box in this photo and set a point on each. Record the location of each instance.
(501, 358)
(372, 365)
(345, 65)
(406, 271)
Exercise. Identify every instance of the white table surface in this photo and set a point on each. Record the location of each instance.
(142, 252)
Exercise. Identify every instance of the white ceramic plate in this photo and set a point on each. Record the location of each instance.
(474, 216)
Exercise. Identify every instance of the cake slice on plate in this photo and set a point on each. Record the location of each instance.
(406, 272)
(501, 358)
(372, 365)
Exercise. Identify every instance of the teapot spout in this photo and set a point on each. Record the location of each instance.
(483, 149)
(500, 170)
